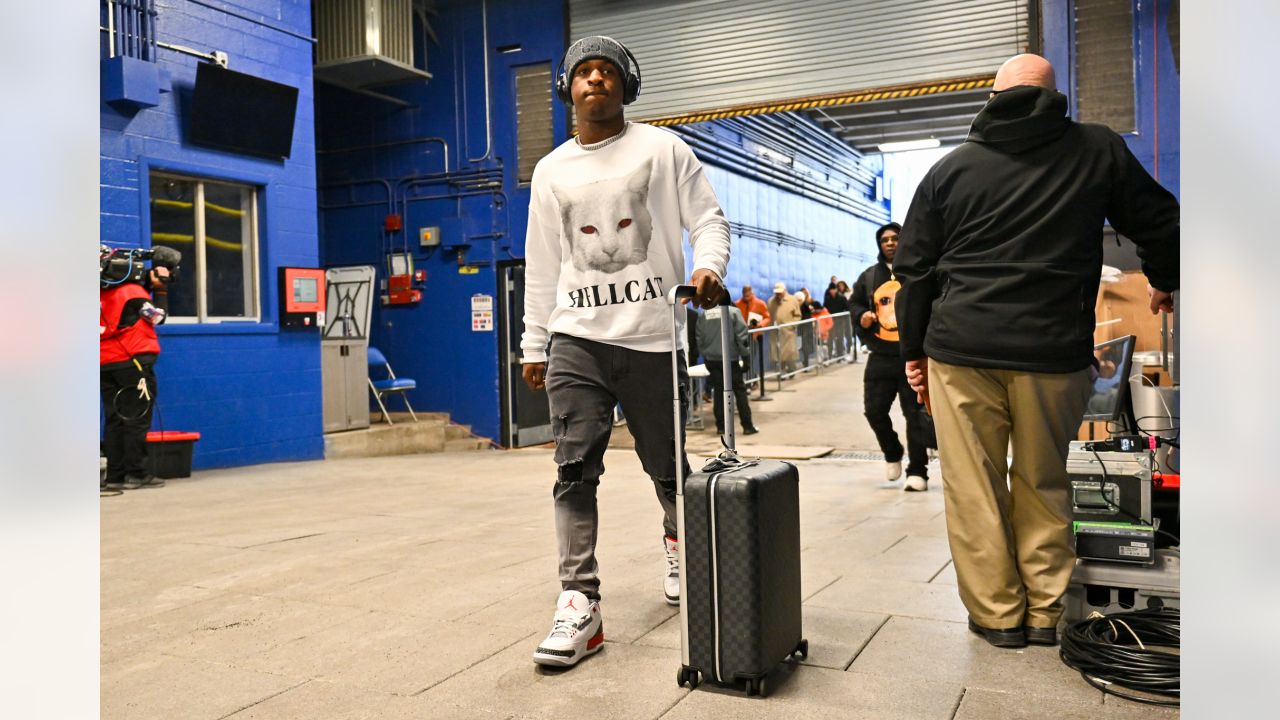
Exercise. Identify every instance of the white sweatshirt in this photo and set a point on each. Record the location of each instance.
(606, 241)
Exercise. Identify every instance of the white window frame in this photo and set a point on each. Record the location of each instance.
(249, 237)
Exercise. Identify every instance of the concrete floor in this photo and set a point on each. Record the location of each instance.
(418, 586)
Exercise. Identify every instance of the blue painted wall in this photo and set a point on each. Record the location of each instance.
(1157, 85)
(252, 391)
(432, 341)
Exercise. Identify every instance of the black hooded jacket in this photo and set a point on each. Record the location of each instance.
(1001, 253)
(863, 300)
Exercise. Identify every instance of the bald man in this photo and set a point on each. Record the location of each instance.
(999, 260)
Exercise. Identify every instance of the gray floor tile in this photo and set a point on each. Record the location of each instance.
(385, 652)
(981, 704)
(892, 597)
(221, 627)
(817, 693)
(622, 681)
(336, 701)
(836, 636)
(160, 686)
(948, 651)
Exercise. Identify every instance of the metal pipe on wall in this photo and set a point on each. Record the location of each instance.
(127, 18)
(488, 114)
(151, 29)
(133, 29)
(111, 28)
(393, 143)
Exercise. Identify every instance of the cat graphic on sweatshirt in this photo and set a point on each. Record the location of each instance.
(607, 222)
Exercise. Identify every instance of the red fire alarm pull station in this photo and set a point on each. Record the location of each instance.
(302, 297)
(402, 284)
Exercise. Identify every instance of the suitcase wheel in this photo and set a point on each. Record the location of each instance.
(688, 675)
(756, 686)
(802, 650)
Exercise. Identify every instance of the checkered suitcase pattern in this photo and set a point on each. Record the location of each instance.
(744, 613)
(740, 547)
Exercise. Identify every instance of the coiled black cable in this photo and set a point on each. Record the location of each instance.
(1116, 650)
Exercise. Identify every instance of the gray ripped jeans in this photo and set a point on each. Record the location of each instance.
(585, 379)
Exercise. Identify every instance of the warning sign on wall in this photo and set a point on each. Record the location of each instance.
(481, 313)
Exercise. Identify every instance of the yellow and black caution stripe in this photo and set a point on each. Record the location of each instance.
(895, 92)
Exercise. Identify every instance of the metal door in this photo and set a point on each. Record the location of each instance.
(526, 416)
(344, 347)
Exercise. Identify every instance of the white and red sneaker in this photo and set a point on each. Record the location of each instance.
(671, 582)
(576, 631)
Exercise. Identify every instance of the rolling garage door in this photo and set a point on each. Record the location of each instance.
(722, 55)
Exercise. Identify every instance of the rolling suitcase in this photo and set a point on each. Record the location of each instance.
(738, 521)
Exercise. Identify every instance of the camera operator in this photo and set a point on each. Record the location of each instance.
(131, 304)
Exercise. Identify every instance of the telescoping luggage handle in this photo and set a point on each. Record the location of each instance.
(674, 296)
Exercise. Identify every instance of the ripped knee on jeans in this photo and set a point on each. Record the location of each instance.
(570, 472)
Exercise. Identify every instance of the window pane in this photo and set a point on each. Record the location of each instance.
(229, 249)
(173, 224)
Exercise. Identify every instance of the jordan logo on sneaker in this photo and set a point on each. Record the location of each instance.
(570, 604)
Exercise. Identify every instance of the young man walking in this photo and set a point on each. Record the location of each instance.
(885, 378)
(605, 243)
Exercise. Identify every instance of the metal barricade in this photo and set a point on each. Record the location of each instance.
(780, 352)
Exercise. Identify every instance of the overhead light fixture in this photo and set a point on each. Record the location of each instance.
(906, 145)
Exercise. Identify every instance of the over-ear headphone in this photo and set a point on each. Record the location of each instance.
(630, 83)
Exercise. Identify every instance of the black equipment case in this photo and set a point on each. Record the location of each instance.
(739, 527)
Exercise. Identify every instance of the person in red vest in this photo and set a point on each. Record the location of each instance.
(127, 351)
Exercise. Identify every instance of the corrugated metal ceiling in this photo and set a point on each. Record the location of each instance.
(735, 57)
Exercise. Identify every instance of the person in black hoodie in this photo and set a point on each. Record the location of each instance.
(1000, 261)
(839, 340)
(885, 377)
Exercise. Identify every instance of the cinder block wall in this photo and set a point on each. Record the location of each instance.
(250, 389)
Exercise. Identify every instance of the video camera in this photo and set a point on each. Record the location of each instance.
(117, 266)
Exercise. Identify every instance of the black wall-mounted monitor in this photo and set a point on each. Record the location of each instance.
(241, 113)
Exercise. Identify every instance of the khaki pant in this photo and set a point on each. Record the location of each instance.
(1009, 527)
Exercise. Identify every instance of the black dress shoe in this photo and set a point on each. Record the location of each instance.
(750, 430)
(1013, 638)
(1041, 636)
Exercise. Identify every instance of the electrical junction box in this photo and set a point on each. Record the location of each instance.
(131, 83)
(428, 236)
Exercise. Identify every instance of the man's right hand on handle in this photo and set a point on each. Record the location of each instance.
(535, 375)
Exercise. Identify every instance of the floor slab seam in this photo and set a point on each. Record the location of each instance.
(894, 545)
(246, 707)
(477, 662)
(956, 708)
(867, 642)
(806, 599)
(940, 570)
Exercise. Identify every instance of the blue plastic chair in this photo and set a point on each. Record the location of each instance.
(391, 384)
